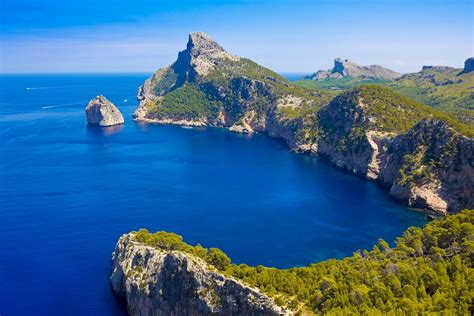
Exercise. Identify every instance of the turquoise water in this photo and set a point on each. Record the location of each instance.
(68, 191)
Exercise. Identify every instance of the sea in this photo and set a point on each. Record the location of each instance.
(68, 191)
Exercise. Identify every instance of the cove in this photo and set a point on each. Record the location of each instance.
(68, 191)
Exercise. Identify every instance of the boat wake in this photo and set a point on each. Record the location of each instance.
(61, 105)
(56, 87)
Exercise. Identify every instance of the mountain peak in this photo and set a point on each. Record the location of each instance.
(200, 43)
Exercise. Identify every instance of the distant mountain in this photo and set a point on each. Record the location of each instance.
(346, 68)
(447, 88)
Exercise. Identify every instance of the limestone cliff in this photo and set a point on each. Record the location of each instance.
(431, 166)
(165, 282)
(102, 112)
(357, 130)
(377, 134)
(207, 86)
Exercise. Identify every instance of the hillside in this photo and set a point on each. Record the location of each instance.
(359, 130)
(448, 89)
(208, 86)
(418, 153)
(445, 88)
(428, 270)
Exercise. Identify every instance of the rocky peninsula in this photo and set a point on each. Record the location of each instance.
(167, 281)
(426, 272)
(422, 156)
(100, 111)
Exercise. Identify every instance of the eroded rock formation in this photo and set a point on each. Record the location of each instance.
(102, 112)
(160, 282)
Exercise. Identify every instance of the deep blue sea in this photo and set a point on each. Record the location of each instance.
(68, 191)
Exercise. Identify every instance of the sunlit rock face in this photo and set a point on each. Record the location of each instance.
(102, 112)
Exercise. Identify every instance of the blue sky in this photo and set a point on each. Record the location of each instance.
(287, 36)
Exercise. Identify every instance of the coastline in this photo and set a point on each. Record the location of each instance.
(325, 158)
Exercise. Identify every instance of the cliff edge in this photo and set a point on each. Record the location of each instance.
(172, 282)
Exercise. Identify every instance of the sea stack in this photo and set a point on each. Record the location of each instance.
(102, 112)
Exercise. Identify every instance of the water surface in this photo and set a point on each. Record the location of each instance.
(68, 191)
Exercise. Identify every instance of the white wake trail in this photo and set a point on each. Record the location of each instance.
(60, 105)
(126, 100)
(57, 87)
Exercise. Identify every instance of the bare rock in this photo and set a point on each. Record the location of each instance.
(102, 112)
(346, 68)
(468, 66)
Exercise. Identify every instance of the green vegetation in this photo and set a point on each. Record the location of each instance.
(164, 80)
(171, 242)
(186, 102)
(339, 83)
(237, 86)
(392, 111)
(443, 89)
(430, 270)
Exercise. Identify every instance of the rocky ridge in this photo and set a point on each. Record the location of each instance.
(357, 131)
(346, 68)
(468, 66)
(166, 282)
(424, 162)
(102, 112)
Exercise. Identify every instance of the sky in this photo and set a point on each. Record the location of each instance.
(43, 36)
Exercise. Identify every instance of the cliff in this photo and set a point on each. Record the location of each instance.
(468, 66)
(346, 68)
(172, 282)
(357, 130)
(406, 146)
(102, 112)
(207, 86)
(426, 271)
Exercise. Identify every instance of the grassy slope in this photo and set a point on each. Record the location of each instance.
(395, 112)
(428, 271)
(456, 98)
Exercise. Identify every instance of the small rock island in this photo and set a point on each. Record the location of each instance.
(100, 111)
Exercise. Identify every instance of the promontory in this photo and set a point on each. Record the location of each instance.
(424, 157)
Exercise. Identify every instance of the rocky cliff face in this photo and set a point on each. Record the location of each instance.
(468, 66)
(358, 130)
(431, 166)
(208, 86)
(159, 282)
(346, 68)
(423, 161)
(102, 112)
